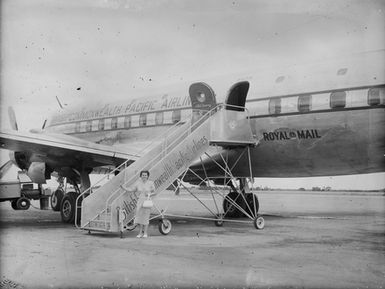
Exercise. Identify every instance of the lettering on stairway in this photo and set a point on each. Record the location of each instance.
(130, 204)
(181, 159)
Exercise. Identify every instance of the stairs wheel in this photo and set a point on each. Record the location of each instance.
(219, 222)
(164, 226)
(259, 223)
(131, 226)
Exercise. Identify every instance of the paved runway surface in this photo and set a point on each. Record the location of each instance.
(311, 240)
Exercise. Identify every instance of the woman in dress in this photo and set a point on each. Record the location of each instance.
(145, 188)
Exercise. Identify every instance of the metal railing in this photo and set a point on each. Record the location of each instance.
(90, 190)
(159, 157)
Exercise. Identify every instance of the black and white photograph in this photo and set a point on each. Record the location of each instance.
(208, 144)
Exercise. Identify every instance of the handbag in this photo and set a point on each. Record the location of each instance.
(147, 203)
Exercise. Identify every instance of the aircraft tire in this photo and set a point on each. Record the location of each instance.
(250, 202)
(164, 226)
(56, 199)
(67, 208)
(23, 203)
(229, 209)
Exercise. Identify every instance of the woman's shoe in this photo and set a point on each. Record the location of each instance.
(145, 236)
(139, 236)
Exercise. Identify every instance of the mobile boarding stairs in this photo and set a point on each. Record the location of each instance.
(112, 207)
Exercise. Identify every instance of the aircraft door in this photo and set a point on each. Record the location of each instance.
(202, 99)
(237, 96)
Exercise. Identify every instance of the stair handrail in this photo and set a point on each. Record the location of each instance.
(89, 190)
(133, 177)
(189, 130)
(127, 181)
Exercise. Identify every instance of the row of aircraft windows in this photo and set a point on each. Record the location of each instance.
(334, 100)
(129, 121)
(290, 104)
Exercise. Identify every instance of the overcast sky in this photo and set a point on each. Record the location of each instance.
(115, 48)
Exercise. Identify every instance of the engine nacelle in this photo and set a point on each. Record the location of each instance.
(20, 159)
(38, 172)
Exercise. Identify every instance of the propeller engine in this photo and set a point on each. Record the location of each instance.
(38, 172)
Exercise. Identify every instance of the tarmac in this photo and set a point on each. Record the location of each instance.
(310, 240)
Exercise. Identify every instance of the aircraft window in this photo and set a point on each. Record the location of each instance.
(376, 95)
(275, 106)
(176, 116)
(304, 103)
(159, 117)
(259, 107)
(89, 125)
(289, 104)
(114, 123)
(77, 127)
(101, 124)
(127, 121)
(338, 99)
(143, 119)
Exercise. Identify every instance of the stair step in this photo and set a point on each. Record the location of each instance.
(99, 224)
(103, 217)
(95, 229)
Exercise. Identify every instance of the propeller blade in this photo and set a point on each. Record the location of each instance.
(12, 118)
(5, 168)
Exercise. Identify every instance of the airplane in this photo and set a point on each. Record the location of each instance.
(322, 119)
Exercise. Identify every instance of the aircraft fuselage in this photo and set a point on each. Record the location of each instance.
(335, 132)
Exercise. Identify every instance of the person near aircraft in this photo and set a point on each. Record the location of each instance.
(146, 189)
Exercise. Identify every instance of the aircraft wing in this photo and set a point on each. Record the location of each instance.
(59, 150)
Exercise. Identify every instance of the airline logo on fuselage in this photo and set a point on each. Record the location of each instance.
(291, 134)
(134, 106)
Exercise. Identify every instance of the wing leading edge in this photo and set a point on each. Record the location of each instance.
(60, 150)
